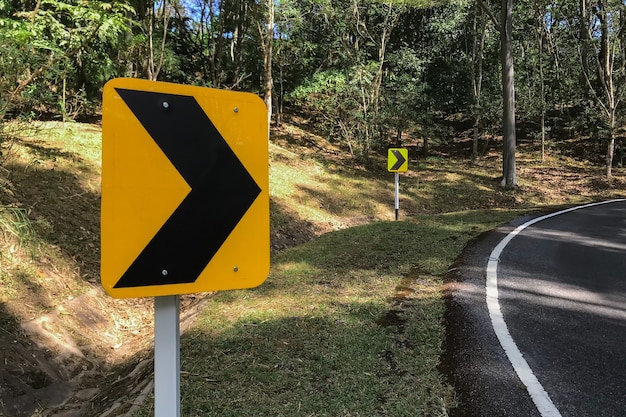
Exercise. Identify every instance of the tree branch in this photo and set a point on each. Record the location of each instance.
(52, 59)
(492, 17)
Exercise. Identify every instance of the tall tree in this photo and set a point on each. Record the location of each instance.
(600, 34)
(478, 36)
(149, 45)
(540, 37)
(505, 27)
(266, 37)
(509, 177)
(157, 11)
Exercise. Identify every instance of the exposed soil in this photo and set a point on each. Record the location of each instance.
(54, 365)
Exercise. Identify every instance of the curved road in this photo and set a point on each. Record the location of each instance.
(561, 289)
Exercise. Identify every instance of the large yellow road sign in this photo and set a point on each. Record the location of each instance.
(185, 200)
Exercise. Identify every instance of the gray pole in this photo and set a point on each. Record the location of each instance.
(167, 356)
(397, 194)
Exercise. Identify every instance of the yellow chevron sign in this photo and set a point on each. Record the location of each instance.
(398, 160)
(185, 199)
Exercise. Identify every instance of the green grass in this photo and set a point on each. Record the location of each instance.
(77, 142)
(15, 224)
(349, 324)
(49, 213)
(349, 321)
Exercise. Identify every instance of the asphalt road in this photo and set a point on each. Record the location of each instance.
(562, 292)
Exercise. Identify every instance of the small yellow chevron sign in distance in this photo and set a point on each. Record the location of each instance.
(398, 160)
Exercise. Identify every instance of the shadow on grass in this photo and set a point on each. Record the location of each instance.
(334, 361)
(429, 242)
(51, 153)
(286, 228)
(63, 213)
(62, 218)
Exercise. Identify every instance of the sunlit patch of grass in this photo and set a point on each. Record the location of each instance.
(329, 198)
(349, 323)
(72, 137)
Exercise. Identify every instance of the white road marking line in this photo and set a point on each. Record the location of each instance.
(540, 397)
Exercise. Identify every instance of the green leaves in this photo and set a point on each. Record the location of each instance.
(72, 24)
(42, 45)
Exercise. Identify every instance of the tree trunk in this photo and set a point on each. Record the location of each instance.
(392, 16)
(267, 40)
(542, 98)
(478, 47)
(610, 151)
(237, 41)
(154, 67)
(605, 71)
(508, 97)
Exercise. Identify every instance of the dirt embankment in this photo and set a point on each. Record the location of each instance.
(62, 363)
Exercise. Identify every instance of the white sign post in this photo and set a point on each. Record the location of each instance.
(397, 199)
(167, 356)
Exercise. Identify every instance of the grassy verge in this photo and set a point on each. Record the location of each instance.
(349, 322)
(49, 214)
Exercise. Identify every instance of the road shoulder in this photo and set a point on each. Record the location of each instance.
(473, 361)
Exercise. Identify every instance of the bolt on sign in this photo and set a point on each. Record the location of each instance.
(185, 199)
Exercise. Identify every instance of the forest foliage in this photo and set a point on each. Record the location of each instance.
(368, 74)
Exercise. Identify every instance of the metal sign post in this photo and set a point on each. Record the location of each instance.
(397, 194)
(167, 356)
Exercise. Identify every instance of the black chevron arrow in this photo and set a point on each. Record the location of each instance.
(222, 190)
(400, 160)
